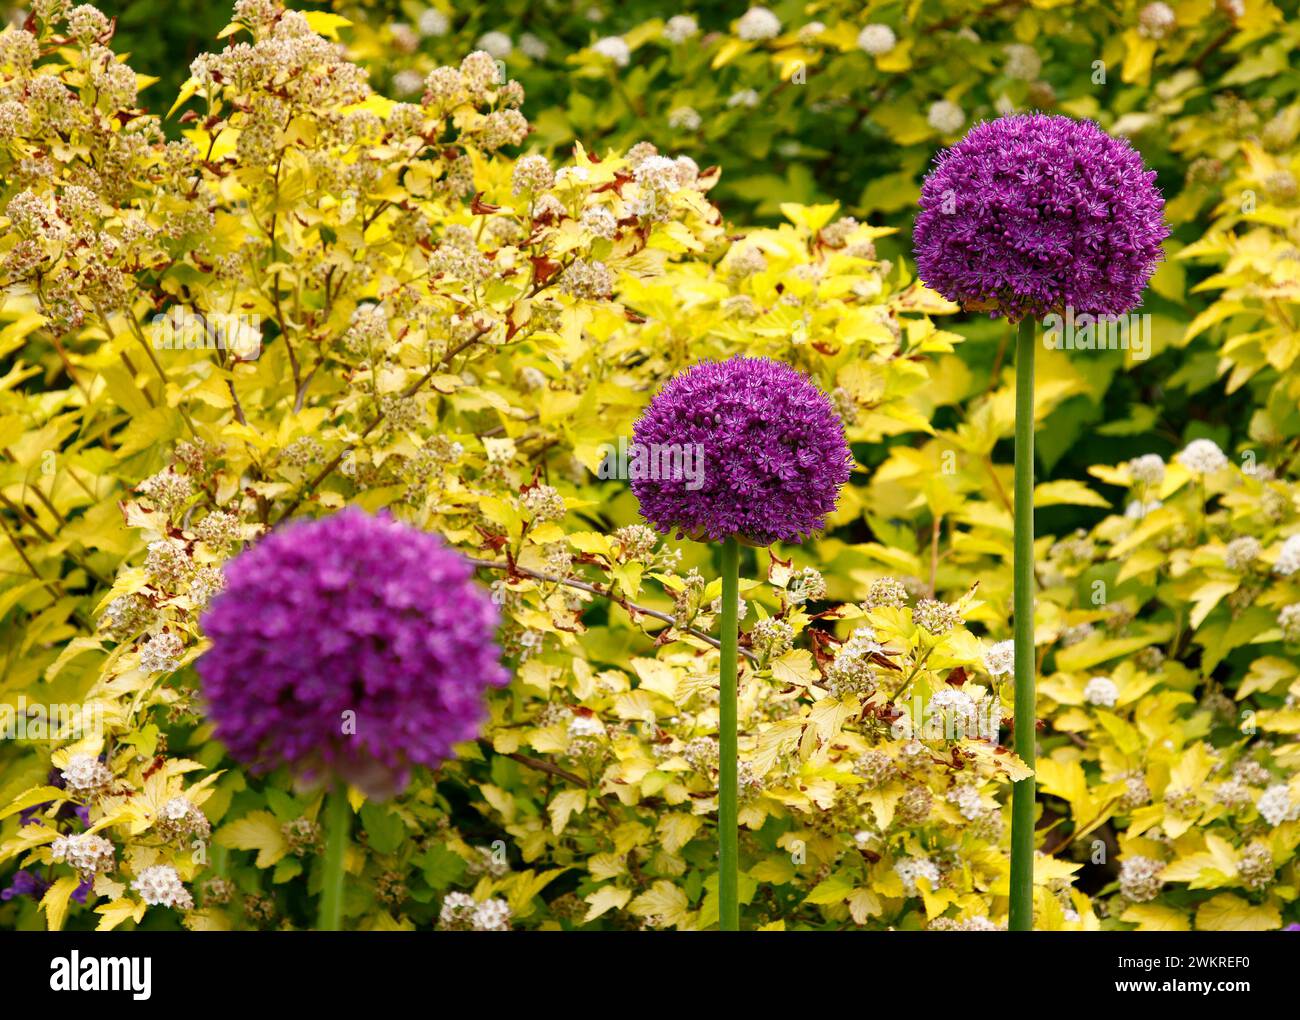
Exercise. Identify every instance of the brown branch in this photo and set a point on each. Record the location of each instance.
(595, 589)
(541, 765)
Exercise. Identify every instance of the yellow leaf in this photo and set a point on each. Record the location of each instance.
(1154, 917)
(1227, 912)
(607, 897)
(55, 902)
(665, 902)
(326, 24)
(258, 831)
(562, 807)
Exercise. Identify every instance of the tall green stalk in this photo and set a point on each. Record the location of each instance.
(1022, 793)
(728, 903)
(338, 825)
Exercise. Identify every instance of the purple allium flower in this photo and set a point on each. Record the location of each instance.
(352, 645)
(1031, 214)
(772, 447)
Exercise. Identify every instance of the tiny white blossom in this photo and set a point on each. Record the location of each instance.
(1156, 20)
(496, 44)
(85, 773)
(492, 915)
(1275, 805)
(1101, 690)
(1203, 457)
(586, 726)
(533, 47)
(1001, 658)
(160, 885)
(433, 22)
(909, 869)
(685, 118)
(758, 23)
(877, 39)
(680, 27)
(945, 117)
(1149, 469)
(613, 48)
(1137, 509)
(1288, 560)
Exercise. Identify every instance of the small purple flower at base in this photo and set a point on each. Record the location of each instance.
(25, 883)
(352, 647)
(774, 452)
(1032, 214)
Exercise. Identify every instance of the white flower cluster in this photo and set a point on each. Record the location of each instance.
(909, 869)
(757, 24)
(1275, 805)
(461, 912)
(877, 40)
(1202, 456)
(1101, 690)
(85, 774)
(1139, 878)
(614, 49)
(946, 117)
(1156, 20)
(1242, 552)
(679, 28)
(161, 886)
(161, 653)
(1000, 659)
(1289, 620)
(852, 670)
(1023, 62)
(1288, 560)
(1149, 469)
(87, 853)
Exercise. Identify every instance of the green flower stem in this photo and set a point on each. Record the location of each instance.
(1022, 793)
(338, 825)
(728, 905)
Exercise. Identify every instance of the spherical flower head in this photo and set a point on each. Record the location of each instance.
(1156, 20)
(1275, 805)
(909, 869)
(767, 450)
(680, 27)
(160, 886)
(1101, 690)
(1139, 878)
(877, 39)
(496, 44)
(757, 24)
(1202, 456)
(1033, 214)
(1000, 659)
(433, 22)
(1288, 559)
(613, 48)
(945, 116)
(352, 646)
(1149, 469)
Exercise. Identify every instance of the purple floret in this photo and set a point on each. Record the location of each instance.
(352, 646)
(774, 453)
(1031, 214)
